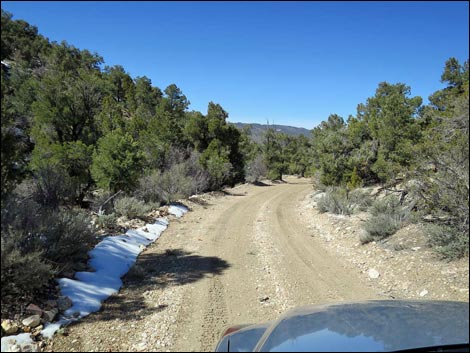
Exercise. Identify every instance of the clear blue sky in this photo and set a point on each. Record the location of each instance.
(293, 63)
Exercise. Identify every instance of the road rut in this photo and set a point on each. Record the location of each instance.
(244, 257)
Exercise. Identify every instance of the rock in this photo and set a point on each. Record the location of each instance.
(34, 309)
(9, 327)
(63, 303)
(49, 315)
(423, 293)
(32, 321)
(51, 304)
(373, 273)
(416, 248)
(37, 330)
(264, 299)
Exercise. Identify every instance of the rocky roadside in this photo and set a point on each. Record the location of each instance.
(402, 267)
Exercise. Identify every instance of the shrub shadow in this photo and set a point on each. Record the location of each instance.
(155, 271)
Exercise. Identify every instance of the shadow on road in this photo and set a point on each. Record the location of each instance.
(260, 183)
(154, 271)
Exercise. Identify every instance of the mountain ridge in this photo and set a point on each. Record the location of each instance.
(257, 130)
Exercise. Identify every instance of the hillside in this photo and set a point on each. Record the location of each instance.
(257, 130)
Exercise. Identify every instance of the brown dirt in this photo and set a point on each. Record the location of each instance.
(243, 256)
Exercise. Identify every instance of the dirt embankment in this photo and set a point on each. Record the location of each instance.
(245, 256)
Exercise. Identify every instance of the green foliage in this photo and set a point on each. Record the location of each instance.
(330, 150)
(355, 180)
(448, 241)
(274, 154)
(117, 162)
(441, 177)
(215, 159)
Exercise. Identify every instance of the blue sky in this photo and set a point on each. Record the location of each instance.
(292, 63)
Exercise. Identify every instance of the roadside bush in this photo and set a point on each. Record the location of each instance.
(335, 201)
(361, 199)
(106, 221)
(387, 216)
(39, 242)
(448, 241)
(180, 181)
(66, 237)
(256, 169)
(52, 186)
(199, 176)
(130, 207)
(380, 226)
(148, 189)
(167, 186)
(22, 272)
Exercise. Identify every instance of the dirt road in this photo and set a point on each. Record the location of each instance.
(243, 257)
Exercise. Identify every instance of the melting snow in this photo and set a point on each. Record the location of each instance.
(110, 259)
(177, 210)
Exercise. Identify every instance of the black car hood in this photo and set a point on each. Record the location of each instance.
(360, 326)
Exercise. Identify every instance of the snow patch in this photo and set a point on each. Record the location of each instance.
(16, 340)
(177, 210)
(110, 259)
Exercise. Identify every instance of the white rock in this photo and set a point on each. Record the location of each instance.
(423, 293)
(32, 321)
(373, 273)
(9, 327)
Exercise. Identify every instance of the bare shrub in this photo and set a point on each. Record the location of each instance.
(335, 201)
(131, 208)
(106, 221)
(38, 242)
(199, 176)
(256, 169)
(175, 183)
(360, 199)
(180, 181)
(103, 201)
(66, 237)
(22, 272)
(52, 186)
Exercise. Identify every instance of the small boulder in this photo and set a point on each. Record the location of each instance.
(9, 327)
(32, 321)
(34, 309)
(423, 293)
(373, 273)
(49, 315)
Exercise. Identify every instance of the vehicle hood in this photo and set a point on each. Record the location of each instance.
(368, 326)
(378, 326)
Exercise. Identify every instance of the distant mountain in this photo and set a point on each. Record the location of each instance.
(258, 130)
